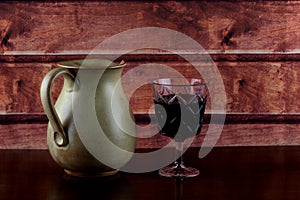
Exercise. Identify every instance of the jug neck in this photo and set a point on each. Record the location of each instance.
(103, 67)
(91, 64)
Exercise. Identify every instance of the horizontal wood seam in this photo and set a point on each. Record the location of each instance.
(232, 118)
(234, 57)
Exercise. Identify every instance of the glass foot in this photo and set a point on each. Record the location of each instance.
(179, 171)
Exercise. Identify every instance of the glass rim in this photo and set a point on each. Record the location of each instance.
(198, 82)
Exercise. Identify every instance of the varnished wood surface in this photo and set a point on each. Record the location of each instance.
(34, 135)
(226, 173)
(45, 26)
(257, 92)
(251, 87)
(254, 45)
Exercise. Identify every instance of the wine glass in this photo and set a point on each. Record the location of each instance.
(179, 109)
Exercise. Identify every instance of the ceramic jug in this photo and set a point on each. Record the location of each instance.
(88, 82)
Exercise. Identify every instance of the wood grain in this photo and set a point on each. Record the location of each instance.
(23, 136)
(251, 87)
(270, 26)
(33, 136)
(253, 43)
(20, 85)
(233, 135)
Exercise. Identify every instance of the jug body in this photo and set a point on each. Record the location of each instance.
(70, 126)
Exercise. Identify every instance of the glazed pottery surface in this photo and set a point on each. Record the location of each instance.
(112, 113)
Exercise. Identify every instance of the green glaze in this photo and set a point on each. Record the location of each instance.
(64, 143)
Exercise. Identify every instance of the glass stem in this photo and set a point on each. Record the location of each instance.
(178, 153)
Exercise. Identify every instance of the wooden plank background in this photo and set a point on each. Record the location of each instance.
(254, 44)
(217, 25)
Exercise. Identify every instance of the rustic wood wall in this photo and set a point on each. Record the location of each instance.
(255, 45)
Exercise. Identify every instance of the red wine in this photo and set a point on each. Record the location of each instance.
(180, 117)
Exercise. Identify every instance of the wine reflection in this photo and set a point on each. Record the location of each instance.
(178, 188)
(113, 187)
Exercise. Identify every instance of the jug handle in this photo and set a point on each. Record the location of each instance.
(60, 136)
